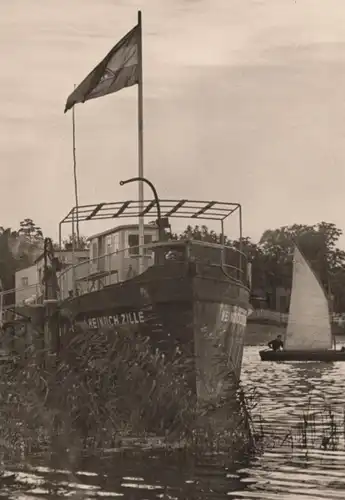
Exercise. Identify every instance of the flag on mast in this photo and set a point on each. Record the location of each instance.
(119, 69)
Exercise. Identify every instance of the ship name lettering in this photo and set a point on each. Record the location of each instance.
(128, 318)
(237, 316)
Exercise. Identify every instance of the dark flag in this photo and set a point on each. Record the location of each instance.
(119, 69)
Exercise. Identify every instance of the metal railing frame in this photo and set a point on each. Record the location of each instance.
(170, 243)
(38, 287)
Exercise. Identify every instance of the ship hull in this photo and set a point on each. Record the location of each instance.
(300, 355)
(203, 316)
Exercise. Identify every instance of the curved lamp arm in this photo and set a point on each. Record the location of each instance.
(154, 191)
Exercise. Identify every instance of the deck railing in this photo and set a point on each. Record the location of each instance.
(9, 299)
(119, 266)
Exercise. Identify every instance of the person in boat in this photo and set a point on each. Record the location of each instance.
(276, 344)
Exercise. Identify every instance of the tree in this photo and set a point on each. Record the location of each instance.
(318, 244)
(202, 233)
(8, 262)
(18, 249)
(271, 258)
(31, 232)
(81, 244)
(248, 247)
(27, 242)
(13, 257)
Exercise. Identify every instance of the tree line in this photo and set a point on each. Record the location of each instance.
(19, 248)
(271, 257)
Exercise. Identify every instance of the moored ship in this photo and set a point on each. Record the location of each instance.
(183, 294)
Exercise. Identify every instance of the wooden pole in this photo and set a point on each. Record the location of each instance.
(75, 175)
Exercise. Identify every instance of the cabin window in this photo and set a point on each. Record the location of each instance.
(25, 281)
(109, 249)
(116, 242)
(94, 250)
(133, 244)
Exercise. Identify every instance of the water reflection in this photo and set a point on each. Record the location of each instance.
(147, 477)
(286, 390)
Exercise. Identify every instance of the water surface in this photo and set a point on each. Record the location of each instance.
(287, 391)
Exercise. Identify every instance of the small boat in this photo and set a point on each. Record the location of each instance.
(308, 335)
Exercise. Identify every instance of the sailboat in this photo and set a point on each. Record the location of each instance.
(308, 335)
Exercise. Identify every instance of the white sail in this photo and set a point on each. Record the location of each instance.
(309, 325)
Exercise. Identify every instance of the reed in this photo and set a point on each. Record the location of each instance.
(318, 426)
(102, 390)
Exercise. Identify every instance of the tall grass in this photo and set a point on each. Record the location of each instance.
(101, 389)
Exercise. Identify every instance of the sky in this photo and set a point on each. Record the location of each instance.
(244, 101)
